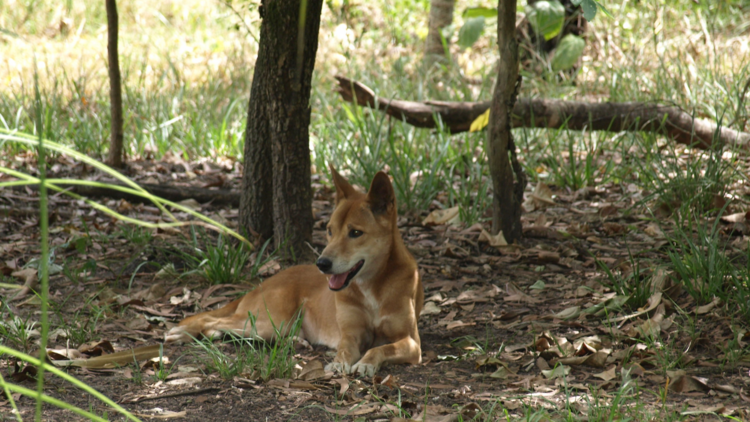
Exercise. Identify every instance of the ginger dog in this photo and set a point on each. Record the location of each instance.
(363, 298)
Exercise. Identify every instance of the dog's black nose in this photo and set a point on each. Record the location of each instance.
(324, 264)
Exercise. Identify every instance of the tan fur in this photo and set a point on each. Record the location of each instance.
(371, 321)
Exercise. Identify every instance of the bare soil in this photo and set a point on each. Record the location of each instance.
(494, 333)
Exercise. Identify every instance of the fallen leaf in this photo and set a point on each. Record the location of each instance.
(700, 310)
(114, 360)
(687, 383)
(495, 241)
(560, 371)
(430, 309)
(191, 203)
(357, 409)
(541, 197)
(607, 375)
(445, 216)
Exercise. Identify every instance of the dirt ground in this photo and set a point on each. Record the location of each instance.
(510, 332)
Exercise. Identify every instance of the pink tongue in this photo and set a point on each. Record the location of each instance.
(337, 280)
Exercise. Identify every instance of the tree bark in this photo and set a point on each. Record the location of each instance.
(115, 158)
(456, 117)
(508, 178)
(441, 16)
(277, 192)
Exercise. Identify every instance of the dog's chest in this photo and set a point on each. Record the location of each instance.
(373, 308)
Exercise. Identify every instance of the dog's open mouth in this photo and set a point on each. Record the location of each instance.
(339, 281)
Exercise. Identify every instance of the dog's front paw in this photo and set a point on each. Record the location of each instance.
(364, 369)
(177, 335)
(338, 367)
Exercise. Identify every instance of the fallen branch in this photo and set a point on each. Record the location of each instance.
(168, 192)
(553, 114)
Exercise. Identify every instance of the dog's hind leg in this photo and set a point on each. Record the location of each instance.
(193, 326)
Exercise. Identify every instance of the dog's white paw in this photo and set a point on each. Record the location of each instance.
(177, 335)
(338, 367)
(364, 369)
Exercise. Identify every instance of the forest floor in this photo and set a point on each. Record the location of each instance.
(533, 331)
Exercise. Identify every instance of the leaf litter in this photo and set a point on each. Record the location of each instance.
(501, 323)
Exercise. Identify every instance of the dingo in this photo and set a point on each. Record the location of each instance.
(363, 298)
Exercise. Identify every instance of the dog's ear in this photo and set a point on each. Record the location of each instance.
(381, 197)
(343, 188)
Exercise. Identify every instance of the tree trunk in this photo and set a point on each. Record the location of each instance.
(441, 16)
(508, 179)
(277, 192)
(115, 91)
(669, 121)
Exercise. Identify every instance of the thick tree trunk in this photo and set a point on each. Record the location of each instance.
(441, 16)
(508, 178)
(115, 91)
(574, 115)
(277, 193)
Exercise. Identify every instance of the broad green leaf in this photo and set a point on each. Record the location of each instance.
(589, 9)
(547, 18)
(480, 122)
(475, 12)
(568, 52)
(471, 31)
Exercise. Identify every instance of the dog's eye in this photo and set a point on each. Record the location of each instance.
(355, 233)
(329, 232)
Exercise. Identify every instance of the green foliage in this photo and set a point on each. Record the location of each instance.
(702, 263)
(254, 357)
(568, 52)
(224, 263)
(547, 18)
(590, 7)
(689, 181)
(635, 283)
(470, 31)
(15, 331)
(80, 327)
(486, 12)
(137, 235)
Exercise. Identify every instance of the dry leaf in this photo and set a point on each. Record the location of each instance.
(568, 313)
(560, 371)
(313, 370)
(700, 310)
(686, 383)
(495, 241)
(540, 198)
(191, 203)
(607, 375)
(430, 309)
(446, 216)
(114, 360)
(739, 217)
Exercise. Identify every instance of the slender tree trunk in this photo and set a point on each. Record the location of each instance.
(115, 91)
(508, 179)
(441, 16)
(277, 192)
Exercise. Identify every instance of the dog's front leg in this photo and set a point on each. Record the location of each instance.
(356, 335)
(406, 350)
(346, 355)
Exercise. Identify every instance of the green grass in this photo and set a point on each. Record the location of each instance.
(255, 358)
(633, 283)
(187, 75)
